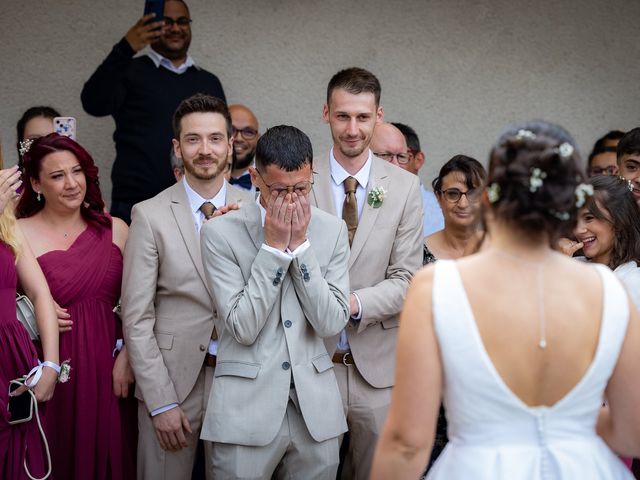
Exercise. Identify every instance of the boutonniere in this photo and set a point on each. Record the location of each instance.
(377, 196)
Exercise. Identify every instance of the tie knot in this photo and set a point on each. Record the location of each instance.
(207, 208)
(350, 185)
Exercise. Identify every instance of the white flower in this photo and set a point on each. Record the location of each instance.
(65, 372)
(582, 191)
(522, 133)
(565, 150)
(377, 196)
(493, 192)
(536, 179)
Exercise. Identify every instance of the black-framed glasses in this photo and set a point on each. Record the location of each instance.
(302, 188)
(401, 158)
(453, 195)
(247, 133)
(181, 21)
(610, 170)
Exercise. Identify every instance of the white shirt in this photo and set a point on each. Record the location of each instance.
(338, 176)
(161, 61)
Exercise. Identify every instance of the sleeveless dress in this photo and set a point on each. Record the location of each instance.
(89, 428)
(17, 357)
(492, 433)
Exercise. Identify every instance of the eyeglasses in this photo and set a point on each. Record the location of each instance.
(610, 170)
(181, 22)
(453, 195)
(302, 188)
(401, 158)
(247, 133)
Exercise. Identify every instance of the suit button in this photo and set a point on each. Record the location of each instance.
(279, 272)
(276, 281)
(287, 323)
(202, 348)
(303, 267)
(286, 365)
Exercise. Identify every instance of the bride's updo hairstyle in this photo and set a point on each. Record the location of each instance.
(534, 174)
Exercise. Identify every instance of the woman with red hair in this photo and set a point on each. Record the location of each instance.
(79, 248)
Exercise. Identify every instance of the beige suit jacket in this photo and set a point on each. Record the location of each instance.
(167, 309)
(273, 314)
(385, 253)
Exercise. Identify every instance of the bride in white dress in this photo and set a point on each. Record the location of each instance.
(523, 343)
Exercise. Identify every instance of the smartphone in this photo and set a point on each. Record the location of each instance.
(20, 407)
(65, 126)
(154, 6)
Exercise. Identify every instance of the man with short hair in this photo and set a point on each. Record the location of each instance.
(602, 159)
(140, 83)
(167, 307)
(628, 155)
(382, 208)
(278, 271)
(245, 139)
(433, 218)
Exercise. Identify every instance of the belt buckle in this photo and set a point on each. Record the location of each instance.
(345, 360)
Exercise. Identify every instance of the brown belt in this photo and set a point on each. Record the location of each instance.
(210, 360)
(343, 357)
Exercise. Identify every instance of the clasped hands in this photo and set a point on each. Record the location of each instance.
(286, 220)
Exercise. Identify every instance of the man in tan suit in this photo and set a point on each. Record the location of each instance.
(383, 210)
(278, 272)
(166, 304)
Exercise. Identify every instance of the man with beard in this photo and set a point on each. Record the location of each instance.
(382, 207)
(167, 307)
(245, 139)
(141, 94)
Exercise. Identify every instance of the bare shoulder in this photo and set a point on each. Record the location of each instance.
(120, 232)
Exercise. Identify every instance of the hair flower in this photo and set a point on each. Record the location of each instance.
(522, 133)
(493, 192)
(25, 145)
(564, 216)
(565, 150)
(582, 191)
(376, 197)
(536, 180)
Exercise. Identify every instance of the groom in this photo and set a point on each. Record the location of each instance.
(278, 272)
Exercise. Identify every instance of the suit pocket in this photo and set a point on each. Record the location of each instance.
(322, 363)
(236, 369)
(390, 323)
(164, 340)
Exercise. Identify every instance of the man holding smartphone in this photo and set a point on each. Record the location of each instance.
(140, 83)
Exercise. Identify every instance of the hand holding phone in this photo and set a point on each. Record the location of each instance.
(148, 29)
(20, 406)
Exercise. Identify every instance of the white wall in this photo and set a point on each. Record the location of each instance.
(457, 71)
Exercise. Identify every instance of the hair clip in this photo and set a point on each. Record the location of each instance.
(536, 180)
(25, 145)
(522, 133)
(582, 191)
(565, 150)
(493, 192)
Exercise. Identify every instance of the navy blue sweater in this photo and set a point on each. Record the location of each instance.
(142, 98)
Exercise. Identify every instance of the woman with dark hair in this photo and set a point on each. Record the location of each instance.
(20, 443)
(35, 122)
(458, 187)
(523, 371)
(79, 248)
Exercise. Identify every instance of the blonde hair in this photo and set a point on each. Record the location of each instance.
(8, 223)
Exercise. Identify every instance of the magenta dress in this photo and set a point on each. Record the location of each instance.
(17, 357)
(91, 432)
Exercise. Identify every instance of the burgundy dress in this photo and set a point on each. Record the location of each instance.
(91, 432)
(17, 357)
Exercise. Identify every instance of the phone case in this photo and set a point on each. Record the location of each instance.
(21, 407)
(65, 126)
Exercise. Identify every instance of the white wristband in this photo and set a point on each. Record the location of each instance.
(36, 372)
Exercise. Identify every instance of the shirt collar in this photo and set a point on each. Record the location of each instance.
(196, 201)
(159, 61)
(339, 174)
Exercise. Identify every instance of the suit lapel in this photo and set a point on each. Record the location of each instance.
(184, 219)
(321, 194)
(377, 178)
(253, 222)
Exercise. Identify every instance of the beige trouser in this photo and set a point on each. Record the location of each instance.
(154, 463)
(293, 454)
(366, 410)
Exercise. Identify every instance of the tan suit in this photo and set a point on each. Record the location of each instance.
(273, 370)
(168, 320)
(385, 253)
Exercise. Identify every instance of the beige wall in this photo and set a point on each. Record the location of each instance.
(456, 70)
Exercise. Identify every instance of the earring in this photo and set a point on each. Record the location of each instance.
(38, 197)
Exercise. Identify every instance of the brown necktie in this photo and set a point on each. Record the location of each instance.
(207, 208)
(350, 206)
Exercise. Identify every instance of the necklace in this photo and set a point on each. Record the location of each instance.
(539, 266)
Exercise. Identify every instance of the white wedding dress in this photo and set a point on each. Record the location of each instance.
(492, 433)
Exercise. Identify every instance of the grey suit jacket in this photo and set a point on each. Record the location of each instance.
(273, 314)
(385, 253)
(167, 308)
